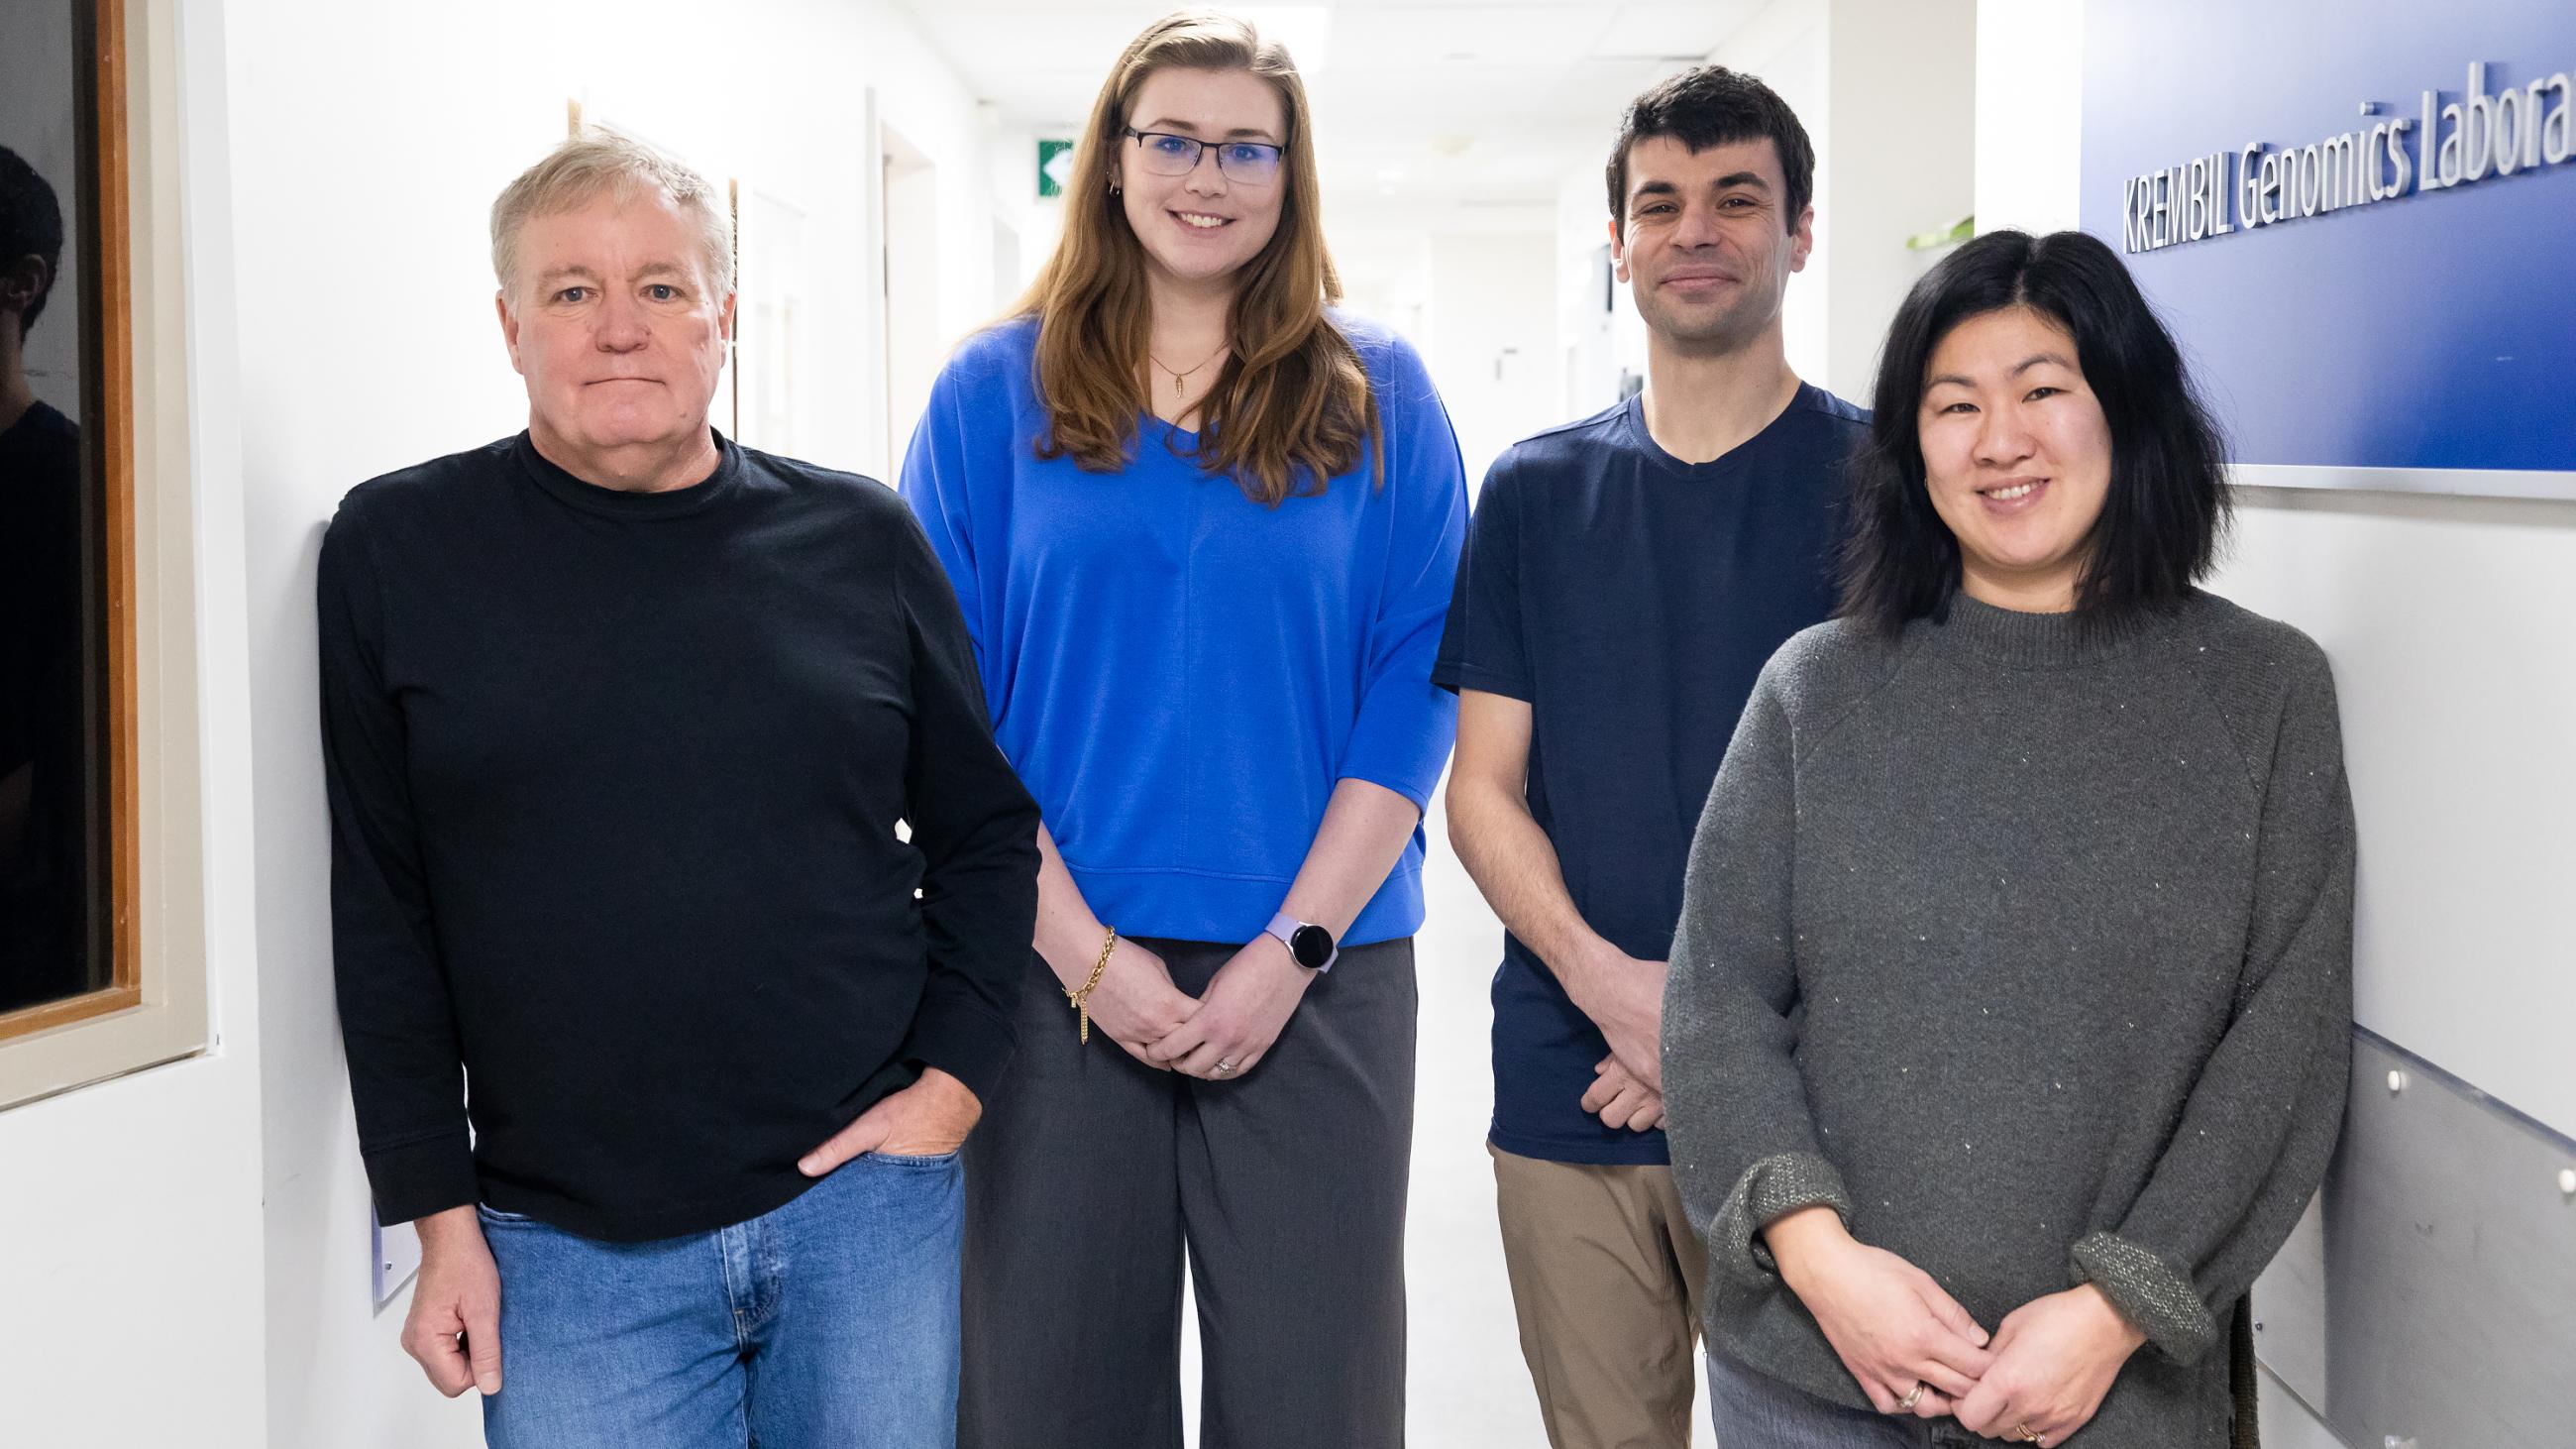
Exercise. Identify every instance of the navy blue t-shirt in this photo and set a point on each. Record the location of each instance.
(1630, 598)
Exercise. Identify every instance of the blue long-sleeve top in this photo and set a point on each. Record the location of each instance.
(1180, 674)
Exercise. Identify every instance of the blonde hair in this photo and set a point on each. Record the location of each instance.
(600, 162)
(1292, 407)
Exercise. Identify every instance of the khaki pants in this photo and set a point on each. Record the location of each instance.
(1606, 1281)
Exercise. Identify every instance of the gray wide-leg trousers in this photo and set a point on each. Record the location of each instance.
(1091, 1173)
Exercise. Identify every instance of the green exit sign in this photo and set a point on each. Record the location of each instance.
(1055, 167)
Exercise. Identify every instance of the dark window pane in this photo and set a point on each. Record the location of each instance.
(53, 789)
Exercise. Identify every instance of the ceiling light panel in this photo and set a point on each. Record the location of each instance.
(1670, 28)
(1415, 37)
(989, 46)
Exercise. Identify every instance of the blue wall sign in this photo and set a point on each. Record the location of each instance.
(2361, 222)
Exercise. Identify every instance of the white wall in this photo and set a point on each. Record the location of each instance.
(1386, 274)
(2451, 624)
(1491, 324)
(2029, 114)
(916, 239)
(1596, 350)
(131, 1249)
(1901, 85)
(363, 347)
(1013, 165)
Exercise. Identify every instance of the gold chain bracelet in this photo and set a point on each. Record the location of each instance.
(1081, 1000)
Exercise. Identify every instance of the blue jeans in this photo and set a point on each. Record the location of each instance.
(831, 1321)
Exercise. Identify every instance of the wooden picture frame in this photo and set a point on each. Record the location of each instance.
(107, 306)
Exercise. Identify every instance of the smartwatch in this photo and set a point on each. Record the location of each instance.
(1310, 946)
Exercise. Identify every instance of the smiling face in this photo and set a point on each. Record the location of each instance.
(2016, 457)
(615, 325)
(1705, 244)
(1203, 226)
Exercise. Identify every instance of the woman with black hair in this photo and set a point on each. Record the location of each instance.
(2007, 1026)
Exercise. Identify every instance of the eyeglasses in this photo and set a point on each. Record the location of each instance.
(1254, 163)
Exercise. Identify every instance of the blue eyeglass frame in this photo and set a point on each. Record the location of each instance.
(1199, 148)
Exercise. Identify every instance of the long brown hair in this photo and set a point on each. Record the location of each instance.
(1291, 408)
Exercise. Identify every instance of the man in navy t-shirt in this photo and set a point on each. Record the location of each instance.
(1625, 578)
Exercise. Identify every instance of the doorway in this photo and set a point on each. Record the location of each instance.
(908, 183)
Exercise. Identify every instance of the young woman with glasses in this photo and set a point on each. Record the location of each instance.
(1203, 530)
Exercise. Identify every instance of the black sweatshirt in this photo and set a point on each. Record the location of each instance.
(614, 783)
(45, 950)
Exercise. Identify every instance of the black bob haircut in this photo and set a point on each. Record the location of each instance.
(31, 225)
(1708, 106)
(2167, 504)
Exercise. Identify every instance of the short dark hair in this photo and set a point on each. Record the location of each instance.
(31, 225)
(1710, 105)
(2167, 504)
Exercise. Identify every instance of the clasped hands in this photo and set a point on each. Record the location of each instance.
(2037, 1379)
(1624, 997)
(1219, 1035)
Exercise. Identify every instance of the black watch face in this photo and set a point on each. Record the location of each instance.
(1312, 946)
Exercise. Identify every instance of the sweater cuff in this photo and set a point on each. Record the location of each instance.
(424, 1177)
(1769, 1190)
(2156, 1298)
(963, 1040)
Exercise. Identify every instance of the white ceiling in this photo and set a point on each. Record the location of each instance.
(1419, 103)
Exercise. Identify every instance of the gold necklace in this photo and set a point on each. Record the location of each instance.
(1180, 383)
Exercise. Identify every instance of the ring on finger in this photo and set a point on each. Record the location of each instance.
(1224, 1068)
(2021, 1432)
(1906, 1405)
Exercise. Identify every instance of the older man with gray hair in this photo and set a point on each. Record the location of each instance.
(619, 720)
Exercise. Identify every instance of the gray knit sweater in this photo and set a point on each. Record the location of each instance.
(2028, 951)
